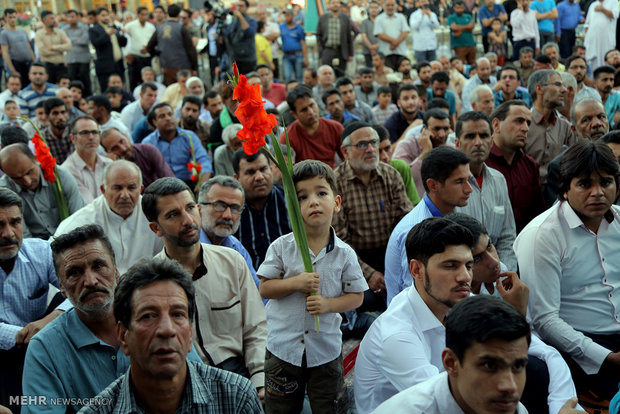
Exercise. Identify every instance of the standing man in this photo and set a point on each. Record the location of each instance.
(16, 50)
(52, 43)
(173, 43)
(78, 58)
(271, 33)
(545, 13)
(139, 33)
(108, 41)
(334, 37)
(461, 37)
(370, 42)
(392, 30)
(600, 26)
(569, 15)
(294, 48)
(423, 23)
(487, 13)
(525, 64)
(524, 29)
(240, 36)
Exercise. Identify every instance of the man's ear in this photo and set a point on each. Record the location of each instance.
(450, 362)
(235, 176)
(345, 153)
(433, 185)
(293, 114)
(121, 334)
(416, 268)
(155, 228)
(495, 124)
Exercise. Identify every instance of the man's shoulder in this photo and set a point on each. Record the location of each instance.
(54, 336)
(222, 255)
(230, 389)
(332, 126)
(422, 397)
(38, 252)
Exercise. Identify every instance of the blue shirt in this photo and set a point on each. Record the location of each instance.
(520, 93)
(291, 37)
(543, 6)
(569, 14)
(485, 13)
(23, 292)
(449, 96)
(397, 276)
(31, 97)
(612, 105)
(177, 152)
(347, 116)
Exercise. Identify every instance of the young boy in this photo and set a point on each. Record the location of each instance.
(385, 108)
(11, 112)
(299, 356)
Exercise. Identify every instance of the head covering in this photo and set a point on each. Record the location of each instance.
(351, 127)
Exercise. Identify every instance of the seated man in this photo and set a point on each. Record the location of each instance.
(27, 271)
(100, 108)
(119, 212)
(24, 176)
(566, 256)
(163, 288)
(335, 108)
(223, 155)
(148, 76)
(85, 164)
(408, 113)
(146, 156)
(352, 104)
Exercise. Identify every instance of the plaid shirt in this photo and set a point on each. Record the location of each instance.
(369, 213)
(59, 148)
(207, 390)
(333, 32)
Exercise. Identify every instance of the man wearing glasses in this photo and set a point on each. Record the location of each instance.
(222, 199)
(373, 202)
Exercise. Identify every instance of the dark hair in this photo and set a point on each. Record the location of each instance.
(92, 13)
(471, 116)
(328, 93)
(612, 137)
(46, 13)
(241, 155)
(114, 90)
(79, 118)
(9, 198)
(440, 162)
(506, 67)
(573, 58)
(436, 113)
(422, 92)
(312, 72)
(481, 318)
(9, 11)
(365, 71)
(544, 59)
(14, 76)
(584, 158)
(472, 224)
(101, 101)
(433, 235)
(263, 66)
(438, 103)
(79, 235)
(160, 188)
(384, 90)
(308, 169)
(148, 85)
(60, 77)
(141, 8)
(173, 10)
(159, 6)
(603, 69)
(298, 92)
(441, 77)
(52, 103)
(381, 131)
(344, 81)
(40, 104)
(501, 112)
(608, 52)
(260, 25)
(193, 99)
(12, 135)
(406, 87)
(422, 64)
(101, 9)
(210, 95)
(525, 50)
(77, 84)
(144, 273)
(150, 117)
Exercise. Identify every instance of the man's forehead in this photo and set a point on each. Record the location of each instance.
(258, 163)
(224, 191)
(481, 245)
(362, 133)
(473, 126)
(83, 252)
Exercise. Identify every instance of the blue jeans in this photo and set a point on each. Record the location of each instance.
(424, 55)
(293, 65)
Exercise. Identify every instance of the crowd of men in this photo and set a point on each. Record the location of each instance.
(461, 211)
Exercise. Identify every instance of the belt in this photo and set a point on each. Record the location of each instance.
(294, 52)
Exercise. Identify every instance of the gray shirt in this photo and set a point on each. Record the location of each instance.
(79, 53)
(18, 44)
(367, 27)
(41, 216)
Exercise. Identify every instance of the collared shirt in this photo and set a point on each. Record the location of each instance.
(569, 14)
(259, 228)
(114, 123)
(230, 317)
(131, 238)
(60, 148)
(524, 26)
(363, 111)
(402, 348)
(207, 391)
(369, 97)
(432, 396)
(322, 146)
(346, 116)
(291, 330)
(7, 95)
(139, 36)
(470, 85)
(397, 124)
(423, 28)
(177, 152)
(392, 26)
(382, 115)
(523, 181)
(151, 162)
(333, 32)
(58, 41)
(586, 92)
(491, 206)
(202, 130)
(31, 98)
(88, 180)
(79, 52)
(573, 275)
(40, 209)
(23, 298)
(132, 113)
(520, 93)
(545, 141)
(449, 96)
(397, 276)
(369, 212)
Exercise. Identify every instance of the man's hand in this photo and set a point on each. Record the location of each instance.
(4, 410)
(261, 394)
(308, 282)
(569, 407)
(376, 283)
(514, 291)
(111, 31)
(613, 359)
(425, 140)
(317, 304)
(112, 156)
(28, 331)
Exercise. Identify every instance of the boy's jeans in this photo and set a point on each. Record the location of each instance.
(293, 64)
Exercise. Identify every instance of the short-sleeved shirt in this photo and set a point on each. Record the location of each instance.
(322, 146)
(291, 330)
(544, 6)
(485, 13)
(291, 37)
(569, 14)
(31, 97)
(18, 44)
(368, 28)
(393, 27)
(466, 38)
(449, 96)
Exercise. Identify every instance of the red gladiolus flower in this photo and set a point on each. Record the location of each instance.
(45, 159)
(235, 70)
(252, 115)
(193, 177)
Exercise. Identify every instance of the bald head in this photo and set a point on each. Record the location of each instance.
(18, 163)
(112, 170)
(122, 185)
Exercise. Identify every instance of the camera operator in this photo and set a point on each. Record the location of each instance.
(214, 28)
(240, 36)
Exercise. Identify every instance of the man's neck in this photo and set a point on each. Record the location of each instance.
(13, 28)
(438, 309)
(379, 68)
(216, 240)
(334, 14)
(168, 135)
(188, 257)
(545, 111)
(49, 30)
(90, 159)
(104, 119)
(38, 89)
(409, 117)
(157, 395)
(441, 206)
(310, 129)
(103, 328)
(508, 153)
(58, 133)
(508, 96)
(7, 265)
(476, 169)
(363, 175)
(604, 96)
(144, 108)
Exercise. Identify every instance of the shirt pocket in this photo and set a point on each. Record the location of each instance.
(495, 223)
(226, 315)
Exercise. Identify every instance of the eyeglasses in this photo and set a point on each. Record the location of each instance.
(221, 207)
(363, 145)
(556, 84)
(87, 132)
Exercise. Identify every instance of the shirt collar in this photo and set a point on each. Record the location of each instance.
(78, 332)
(201, 270)
(432, 207)
(428, 321)
(538, 118)
(573, 220)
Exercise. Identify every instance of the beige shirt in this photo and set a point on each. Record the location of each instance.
(88, 180)
(58, 43)
(230, 316)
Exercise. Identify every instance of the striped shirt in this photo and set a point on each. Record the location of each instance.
(31, 97)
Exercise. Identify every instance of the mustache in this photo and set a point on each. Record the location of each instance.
(460, 286)
(95, 289)
(8, 242)
(189, 228)
(226, 222)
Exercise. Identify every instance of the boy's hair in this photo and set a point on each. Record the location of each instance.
(9, 101)
(496, 19)
(384, 90)
(307, 169)
(433, 235)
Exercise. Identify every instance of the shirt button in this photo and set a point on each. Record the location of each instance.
(262, 234)
(113, 357)
(302, 341)
(307, 332)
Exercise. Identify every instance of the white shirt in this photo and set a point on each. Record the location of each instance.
(573, 275)
(161, 89)
(116, 124)
(471, 84)
(393, 27)
(402, 348)
(88, 180)
(7, 95)
(429, 397)
(131, 238)
(138, 36)
(423, 29)
(524, 25)
(132, 114)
